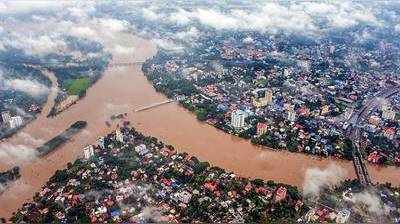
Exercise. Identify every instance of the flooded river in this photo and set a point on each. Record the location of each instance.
(125, 89)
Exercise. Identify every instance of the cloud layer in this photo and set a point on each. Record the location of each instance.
(316, 178)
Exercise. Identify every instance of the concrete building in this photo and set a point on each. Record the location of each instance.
(16, 121)
(6, 117)
(88, 151)
(388, 113)
(263, 100)
(287, 72)
(141, 149)
(349, 111)
(119, 136)
(291, 116)
(237, 119)
(343, 216)
(100, 142)
(261, 128)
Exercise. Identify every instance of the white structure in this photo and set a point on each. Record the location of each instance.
(16, 121)
(119, 136)
(88, 151)
(100, 142)
(6, 117)
(388, 113)
(291, 114)
(237, 119)
(141, 149)
(349, 111)
(343, 216)
(287, 72)
(182, 196)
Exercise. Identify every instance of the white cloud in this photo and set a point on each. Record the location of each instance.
(191, 33)
(36, 44)
(22, 6)
(273, 16)
(397, 28)
(149, 14)
(216, 19)
(113, 25)
(318, 8)
(316, 178)
(123, 50)
(180, 17)
(16, 153)
(31, 87)
(372, 201)
(83, 32)
(29, 140)
(167, 44)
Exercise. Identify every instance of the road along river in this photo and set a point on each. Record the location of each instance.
(125, 89)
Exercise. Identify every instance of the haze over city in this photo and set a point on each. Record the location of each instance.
(240, 111)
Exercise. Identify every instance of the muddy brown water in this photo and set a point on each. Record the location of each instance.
(125, 89)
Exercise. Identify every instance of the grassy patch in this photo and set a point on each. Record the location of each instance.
(77, 86)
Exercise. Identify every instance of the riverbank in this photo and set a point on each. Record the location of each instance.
(125, 89)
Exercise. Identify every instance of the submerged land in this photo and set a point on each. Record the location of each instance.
(267, 123)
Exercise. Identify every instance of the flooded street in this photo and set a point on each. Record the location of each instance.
(124, 89)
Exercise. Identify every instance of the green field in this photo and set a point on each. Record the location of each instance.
(77, 86)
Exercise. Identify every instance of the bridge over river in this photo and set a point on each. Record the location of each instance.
(353, 131)
(179, 98)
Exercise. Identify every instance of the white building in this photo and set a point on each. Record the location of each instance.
(349, 111)
(388, 113)
(100, 142)
(88, 151)
(182, 196)
(237, 119)
(343, 216)
(287, 72)
(291, 114)
(141, 149)
(16, 121)
(119, 136)
(6, 117)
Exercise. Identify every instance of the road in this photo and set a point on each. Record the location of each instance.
(353, 131)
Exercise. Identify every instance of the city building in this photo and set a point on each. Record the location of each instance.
(291, 116)
(238, 119)
(261, 128)
(287, 72)
(6, 117)
(389, 132)
(100, 142)
(348, 112)
(141, 149)
(374, 120)
(280, 193)
(388, 113)
(343, 216)
(16, 121)
(88, 151)
(325, 109)
(119, 136)
(264, 99)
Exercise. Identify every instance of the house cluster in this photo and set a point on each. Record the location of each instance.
(305, 105)
(128, 177)
(324, 214)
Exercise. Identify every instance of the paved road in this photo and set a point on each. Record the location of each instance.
(353, 131)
